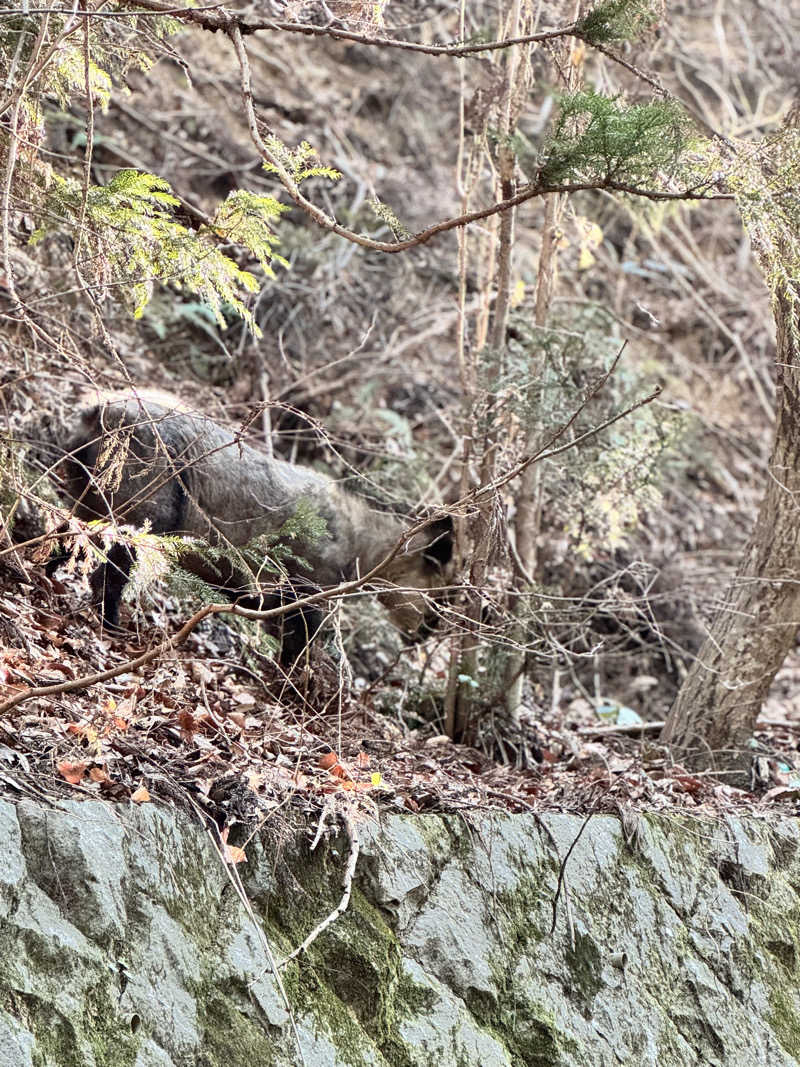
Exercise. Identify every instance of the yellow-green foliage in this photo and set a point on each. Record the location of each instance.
(298, 161)
(115, 46)
(619, 485)
(136, 241)
(126, 233)
(245, 219)
(70, 77)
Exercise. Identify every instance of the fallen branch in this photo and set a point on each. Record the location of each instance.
(623, 728)
(347, 883)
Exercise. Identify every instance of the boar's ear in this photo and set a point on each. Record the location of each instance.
(438, 536)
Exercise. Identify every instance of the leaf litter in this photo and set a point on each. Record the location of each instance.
(199, 730)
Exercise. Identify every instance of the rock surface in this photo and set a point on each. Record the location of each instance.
(125, 943)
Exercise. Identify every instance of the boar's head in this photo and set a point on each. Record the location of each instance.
(418, 574)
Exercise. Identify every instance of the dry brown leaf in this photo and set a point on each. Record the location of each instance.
(231, 853)
(72, 772)
(140, 795)
(187, 724)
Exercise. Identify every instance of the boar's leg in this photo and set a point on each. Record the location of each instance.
(60, 554)
(297, 628)
(108, 582)
(298, 631)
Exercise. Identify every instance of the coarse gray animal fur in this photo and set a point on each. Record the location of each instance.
(184, 474)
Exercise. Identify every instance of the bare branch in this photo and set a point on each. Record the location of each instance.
(347, 885)
(215, 18)
(528, 193)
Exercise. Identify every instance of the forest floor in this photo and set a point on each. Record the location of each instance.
(206, 726)
(363, 346)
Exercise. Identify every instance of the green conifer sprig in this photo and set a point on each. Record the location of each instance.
(264, 557)
(613, 21)
(245, 218)
(604, 138)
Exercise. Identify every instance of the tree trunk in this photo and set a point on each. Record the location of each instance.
(716, 709)
(527, 521)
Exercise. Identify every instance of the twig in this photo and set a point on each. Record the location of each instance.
(323, 818)
(562, 870)
(626, 728)
(347, 883)
(36, 63)
(236, 882)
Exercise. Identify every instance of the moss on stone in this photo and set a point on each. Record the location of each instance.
(59, 1042)
(231, 1038)
(784, 1018)
(317, 1000)
(441, 835)
(535, 1038)
(352, 979)
(585, 964)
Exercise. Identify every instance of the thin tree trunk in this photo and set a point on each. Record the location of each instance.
(527, 520)
(718, 704)
(463, 688)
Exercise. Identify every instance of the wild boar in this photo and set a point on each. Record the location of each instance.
(141, 462)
